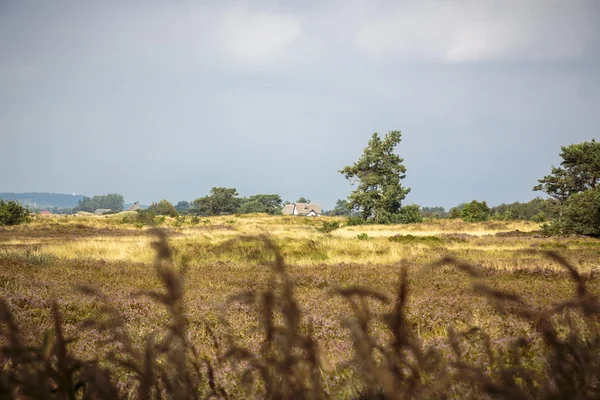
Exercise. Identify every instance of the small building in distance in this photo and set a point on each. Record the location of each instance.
(101, 211)
(303, 209)
(134, 207)
(45, 212)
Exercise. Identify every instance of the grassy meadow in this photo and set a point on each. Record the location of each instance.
(51, 257)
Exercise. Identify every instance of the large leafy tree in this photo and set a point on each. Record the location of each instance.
(378, 174)
(220, 201)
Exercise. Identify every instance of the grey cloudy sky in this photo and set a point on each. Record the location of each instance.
(166, 99)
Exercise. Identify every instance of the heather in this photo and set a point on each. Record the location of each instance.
(258, 306)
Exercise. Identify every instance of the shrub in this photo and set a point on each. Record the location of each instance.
(146, 214)
(362, 236)
(539, 217)
(475, 211)
(163, 207)
(329, 226)
(410, 214)
(582, 213)
(13, 213)
(455, 212)
(179, 220)
(354, 221)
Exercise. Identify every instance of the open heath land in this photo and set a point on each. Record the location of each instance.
(52, 257)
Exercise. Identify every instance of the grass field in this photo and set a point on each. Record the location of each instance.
(52, 256)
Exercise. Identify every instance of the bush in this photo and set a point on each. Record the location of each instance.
(354, 221)
(410, 214)
(163, 207)
(146, 214)
(329, 226)
(13, 213)
(455, 212)
(362, 236)
(179, 221)
(582, 213)
(475, 211)
(539, 217)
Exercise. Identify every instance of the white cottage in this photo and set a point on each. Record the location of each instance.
(304, 209)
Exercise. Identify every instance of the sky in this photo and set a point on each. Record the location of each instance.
(162, 99)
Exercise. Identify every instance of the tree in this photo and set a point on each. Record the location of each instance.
(182, 207)
(220, 201)
(579, 171)
(303, 200)
(13, 213)
(342, 208)
(560, 184)
(582, 214)
(261, 203)
(455, 212)
(85, 204)
(378, 174)
(163, 207)
(113, 201)
(475, 211)
(574, 189)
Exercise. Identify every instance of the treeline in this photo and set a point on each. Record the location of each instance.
(220, 201)
(537, 210)
(112, 201)
(573, 188)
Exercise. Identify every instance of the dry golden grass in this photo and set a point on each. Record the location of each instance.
(107, 238)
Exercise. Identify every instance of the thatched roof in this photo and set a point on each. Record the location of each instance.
(288, 209)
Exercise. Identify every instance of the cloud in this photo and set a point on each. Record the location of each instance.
(458, 31)
(258, 37)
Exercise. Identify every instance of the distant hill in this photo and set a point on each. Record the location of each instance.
(41, 200)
